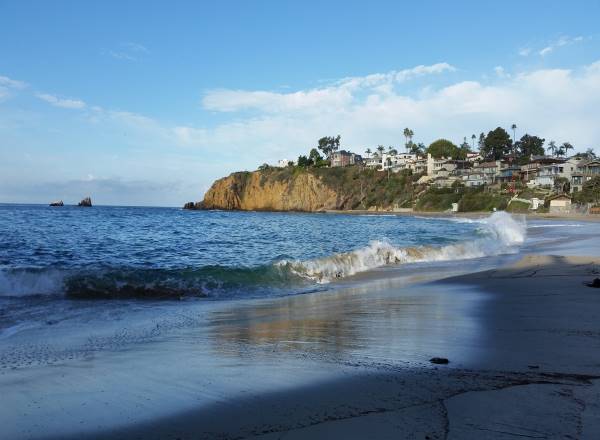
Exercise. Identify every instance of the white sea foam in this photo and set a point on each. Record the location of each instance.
(28, 282)
(499, 233)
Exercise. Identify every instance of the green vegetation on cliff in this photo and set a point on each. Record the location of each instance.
(356, 187)
(468, 199)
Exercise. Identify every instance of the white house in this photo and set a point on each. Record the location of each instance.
(560, 203)
(282, 163)
(394, 162)
(548, 173)
(435, 164)
(473, 179)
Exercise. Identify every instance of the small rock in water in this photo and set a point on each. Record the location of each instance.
(595, 283)
(193, 206)
(438, 360)
(533, 367)
(57, 203)
(86, 202)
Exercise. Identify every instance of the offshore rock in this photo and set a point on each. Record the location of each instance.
(192, 206)
(85, 202)
(57, 203)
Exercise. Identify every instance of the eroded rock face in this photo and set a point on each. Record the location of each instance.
(257, 191)
(85, 202)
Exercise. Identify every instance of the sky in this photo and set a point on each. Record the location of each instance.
(147, 102)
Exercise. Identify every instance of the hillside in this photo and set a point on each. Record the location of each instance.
(310, 189)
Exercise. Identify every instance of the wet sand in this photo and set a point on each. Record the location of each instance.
(523, 343)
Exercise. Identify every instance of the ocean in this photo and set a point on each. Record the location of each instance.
(134, 252)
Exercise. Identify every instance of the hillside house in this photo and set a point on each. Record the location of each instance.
(344, 158)
(560, 203)
(585, 171)
(489, 170)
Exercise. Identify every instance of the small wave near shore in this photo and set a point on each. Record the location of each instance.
(498, 234)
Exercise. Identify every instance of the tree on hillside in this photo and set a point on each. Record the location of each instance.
(445, 148)
(408, 135)
(589, 154)
(392, 151)
(552, 147)
(418, 149)
(481, 143)
(304, 161)
(514, 130)
(473, 137)
(497, 144)
(329, 145)
(566, 146)
(315, 157)
(529, 146)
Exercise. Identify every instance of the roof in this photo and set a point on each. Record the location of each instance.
(486, 165)
(560, 196)
(593, 161)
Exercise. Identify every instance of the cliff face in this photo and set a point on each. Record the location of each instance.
(261, 191)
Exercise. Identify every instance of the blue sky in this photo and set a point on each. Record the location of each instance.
(149, 102)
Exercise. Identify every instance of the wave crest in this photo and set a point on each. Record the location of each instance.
(499, 233)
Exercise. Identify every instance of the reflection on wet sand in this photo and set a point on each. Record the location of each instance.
(380, 320)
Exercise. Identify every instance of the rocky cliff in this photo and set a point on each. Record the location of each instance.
(299, 189)
(262, 191)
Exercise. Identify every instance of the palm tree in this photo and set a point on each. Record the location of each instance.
(514, 129)
(552, 147)
(368, 152)
(381, 149)
(392, 151)
(567, 146)
(408, 135)
(590, 153)
(473, 137)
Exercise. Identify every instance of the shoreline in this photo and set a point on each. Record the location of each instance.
(472, 214)
(535, 373)
(523, 341)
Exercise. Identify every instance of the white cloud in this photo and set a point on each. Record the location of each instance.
(315, 100)
(561, 42)
(501, 72)
(525, 51)
(129, 51)
(395, 76)
(7, 85)
(121, 55)
(136, 47)
(272, 102)
(11, 83)
(61, 102)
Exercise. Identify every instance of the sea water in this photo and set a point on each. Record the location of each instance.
(129, 252)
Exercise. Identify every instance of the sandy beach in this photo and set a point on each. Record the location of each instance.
(520, 331)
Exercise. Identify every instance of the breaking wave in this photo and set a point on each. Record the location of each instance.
(114, 283)
(500, 233)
